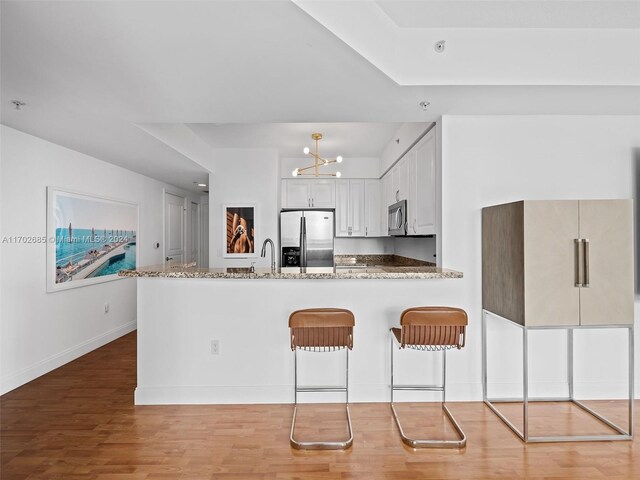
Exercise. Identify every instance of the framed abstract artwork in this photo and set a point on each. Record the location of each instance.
(239, 230)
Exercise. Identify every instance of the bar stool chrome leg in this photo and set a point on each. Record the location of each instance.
(418, 443)
(339, 445)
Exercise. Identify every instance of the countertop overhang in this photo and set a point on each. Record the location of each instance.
(289, 273)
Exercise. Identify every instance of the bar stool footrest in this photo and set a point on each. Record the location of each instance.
(339, 445)
(416, 443)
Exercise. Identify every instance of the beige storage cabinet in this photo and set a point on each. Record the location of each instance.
(559, 262)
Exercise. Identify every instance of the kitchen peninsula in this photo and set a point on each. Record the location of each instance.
(221, 335)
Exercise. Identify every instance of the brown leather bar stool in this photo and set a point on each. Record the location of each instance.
(321, 330)
(430, 329)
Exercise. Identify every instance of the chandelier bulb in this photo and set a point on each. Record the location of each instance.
(295, 172)
(306, 150)
(338, 174)
(339, 159)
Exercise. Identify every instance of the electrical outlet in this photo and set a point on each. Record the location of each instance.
(106, 307)
(215, 347)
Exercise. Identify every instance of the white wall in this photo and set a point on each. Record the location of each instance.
(244, 176)
(490, 160)
(361, 246)
(41, 331)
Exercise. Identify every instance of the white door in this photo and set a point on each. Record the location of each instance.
(425, 178)
(356, 208)
(195, 233)
(323, 193)
(174, 211)
(296, 194)
(342, 208)
(372, 206)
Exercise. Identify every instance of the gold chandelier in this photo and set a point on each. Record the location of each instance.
(319, 162)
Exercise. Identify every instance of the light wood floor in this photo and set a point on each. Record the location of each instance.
(79, 422)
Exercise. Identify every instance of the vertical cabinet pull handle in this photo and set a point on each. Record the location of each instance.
(585, 242)
(577, 243)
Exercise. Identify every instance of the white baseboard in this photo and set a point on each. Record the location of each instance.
(46, 365)
(256, 394)
(253, 394)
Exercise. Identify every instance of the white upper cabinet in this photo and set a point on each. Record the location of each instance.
(323, 193)
(296, 194)
(373, 207)
(305, 193)
(358, 208)
(424, 213)
(387, 199)
(404, 181)
(395, 184)
(413, 179)
(342, 209)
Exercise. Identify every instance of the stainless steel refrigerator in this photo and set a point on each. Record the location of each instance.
(306, 238)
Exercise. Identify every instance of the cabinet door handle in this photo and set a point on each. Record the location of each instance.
(312, 202)
(414, 225)
(578, 273)
(366, 231)
(397, 195)
(585, 242)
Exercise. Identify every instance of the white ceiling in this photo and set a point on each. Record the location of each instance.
(512, 13)
(91, 71)
(489, 56)
(346, 139)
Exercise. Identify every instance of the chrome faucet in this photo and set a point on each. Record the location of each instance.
(263, 253)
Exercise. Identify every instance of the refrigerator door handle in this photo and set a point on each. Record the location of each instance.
(303, 242)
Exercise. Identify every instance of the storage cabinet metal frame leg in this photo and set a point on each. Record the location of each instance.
(524, 434)
(339, 445)
(415, 443)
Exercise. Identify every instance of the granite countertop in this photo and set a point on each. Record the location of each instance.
(347, 267)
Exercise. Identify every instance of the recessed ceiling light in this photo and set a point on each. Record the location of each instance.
(18, 104)
(424, 104)
(439, 46)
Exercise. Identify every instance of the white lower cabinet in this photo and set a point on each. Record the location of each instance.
(358, 208)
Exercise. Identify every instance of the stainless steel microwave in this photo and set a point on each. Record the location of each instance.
(397, 220)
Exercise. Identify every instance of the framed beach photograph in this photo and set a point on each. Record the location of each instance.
(90, 239)
(239, 231)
